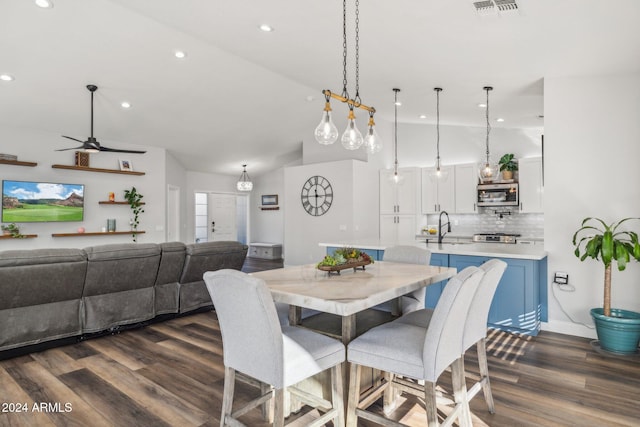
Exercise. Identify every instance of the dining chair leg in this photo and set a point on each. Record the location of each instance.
(390, 395)
(337, 395)
(278, 407)
(430, 404)
(227, 394)
(484, 374)
(460, 392)
(267, 407)
(354, 394)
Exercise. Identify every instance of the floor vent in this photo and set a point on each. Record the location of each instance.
(495, 7)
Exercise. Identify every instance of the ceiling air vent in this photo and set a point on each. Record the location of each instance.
(495, 7)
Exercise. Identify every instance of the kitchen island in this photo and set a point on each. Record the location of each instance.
(520, 302)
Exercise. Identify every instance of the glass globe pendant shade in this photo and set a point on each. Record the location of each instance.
(487, 172)
(244, 183)
(352, 138)
(372, 141)
(326, 133)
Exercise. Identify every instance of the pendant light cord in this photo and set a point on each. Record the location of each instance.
(488, 88)
(344, 49)
(395, 137)
(357, 97)
(438, 127)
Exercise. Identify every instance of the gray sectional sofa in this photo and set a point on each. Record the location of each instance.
(51, 294)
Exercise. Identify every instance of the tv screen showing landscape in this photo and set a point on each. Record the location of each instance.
(24, 201)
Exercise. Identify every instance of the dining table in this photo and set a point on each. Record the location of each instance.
(352, 291)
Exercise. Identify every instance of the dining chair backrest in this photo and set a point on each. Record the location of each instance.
(476, 325)
(443, 341)
(407, 254)
(251, 334)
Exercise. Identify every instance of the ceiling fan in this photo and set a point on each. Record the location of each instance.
(92, 145)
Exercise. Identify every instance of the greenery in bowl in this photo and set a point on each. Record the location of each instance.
(507, 163)
(12, 229)
(606, 243)
(343, 256)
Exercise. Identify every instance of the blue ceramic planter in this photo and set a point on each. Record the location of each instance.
(619, 333)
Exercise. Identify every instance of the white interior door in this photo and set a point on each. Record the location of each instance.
(222, 217)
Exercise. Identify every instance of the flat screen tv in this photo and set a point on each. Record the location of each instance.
(25, 201)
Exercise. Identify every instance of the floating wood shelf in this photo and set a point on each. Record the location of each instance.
(96, 233)
(269, 208)
(24, 236)
(87, 169)
(106, 202)
(17, 163)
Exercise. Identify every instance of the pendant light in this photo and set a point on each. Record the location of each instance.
(397, 178)
(244, 183)
(487, 171)
(326, 132)
(438, 173)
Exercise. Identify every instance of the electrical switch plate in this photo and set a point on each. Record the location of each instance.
(561, 278)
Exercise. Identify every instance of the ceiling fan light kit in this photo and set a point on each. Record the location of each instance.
(91, 145)
(326, 132)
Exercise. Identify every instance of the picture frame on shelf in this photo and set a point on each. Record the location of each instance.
(125, 165)
(269, 200)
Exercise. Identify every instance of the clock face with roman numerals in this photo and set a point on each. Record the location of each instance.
(316, 195)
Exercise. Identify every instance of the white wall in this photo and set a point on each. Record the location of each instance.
(268, 226)
(38, 146)
(176, 176)
(592, 156)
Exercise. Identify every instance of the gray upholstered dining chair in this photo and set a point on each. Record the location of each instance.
(256, 345)
(414, 352)
(475, 330)
(410, 255)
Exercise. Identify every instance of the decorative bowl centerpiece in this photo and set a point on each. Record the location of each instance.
(344, 258)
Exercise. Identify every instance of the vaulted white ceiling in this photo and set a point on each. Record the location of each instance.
(245, 96)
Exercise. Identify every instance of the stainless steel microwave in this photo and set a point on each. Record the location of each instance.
(498, 194)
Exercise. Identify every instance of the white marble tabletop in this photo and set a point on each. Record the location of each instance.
(349, 292)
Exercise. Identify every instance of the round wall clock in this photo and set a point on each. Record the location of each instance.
(316, 195)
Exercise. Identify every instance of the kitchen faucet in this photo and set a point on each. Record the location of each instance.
(448, 224)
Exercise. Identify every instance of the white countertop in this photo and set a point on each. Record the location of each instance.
(495, 250)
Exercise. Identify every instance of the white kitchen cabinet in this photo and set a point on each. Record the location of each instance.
(466, 184)
(402, 197)
(438, 193)
(397, 228)
(530, 185)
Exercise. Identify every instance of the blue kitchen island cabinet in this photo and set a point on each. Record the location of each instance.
(434, 290)
(520, 302)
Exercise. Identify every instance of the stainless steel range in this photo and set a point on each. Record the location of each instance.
(495, 237)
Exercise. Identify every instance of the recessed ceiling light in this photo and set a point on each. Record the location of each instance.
(423, 116)
(482, 105)
(311, 98)
(500, 119)
(6, 77)
(266, 28)
(180, 54)
(125, 104)
(45, 4)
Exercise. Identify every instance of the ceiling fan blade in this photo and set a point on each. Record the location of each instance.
(74, 148)
(115, 150)
(75, 139)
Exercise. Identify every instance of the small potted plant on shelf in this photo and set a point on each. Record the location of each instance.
(134, 199)
(508, 165)
(11, 230)
(618, 330)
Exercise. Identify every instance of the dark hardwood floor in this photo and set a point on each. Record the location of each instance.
(171, 374)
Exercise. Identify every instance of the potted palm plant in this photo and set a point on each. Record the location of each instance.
(618, 330)
(508, 166)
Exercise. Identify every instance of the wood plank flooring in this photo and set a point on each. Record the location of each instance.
(171, 374)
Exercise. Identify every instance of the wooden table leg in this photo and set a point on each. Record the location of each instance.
(295, 315)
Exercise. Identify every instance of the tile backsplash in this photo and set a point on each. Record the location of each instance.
(529, 225)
